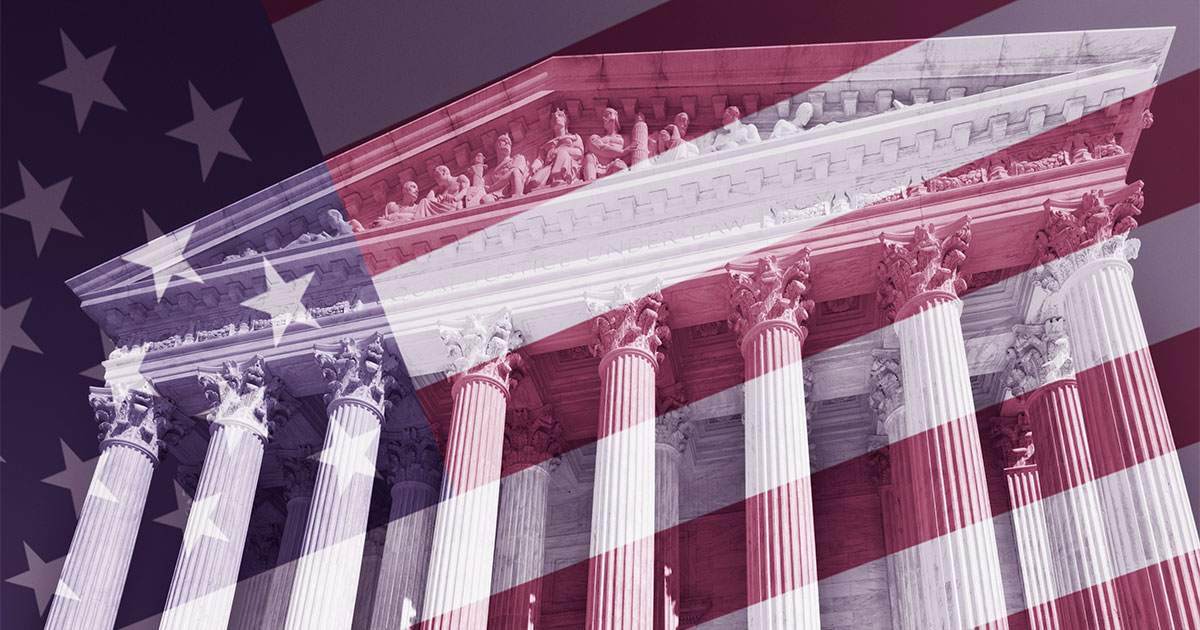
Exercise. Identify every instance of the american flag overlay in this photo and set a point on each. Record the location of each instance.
(358, 314)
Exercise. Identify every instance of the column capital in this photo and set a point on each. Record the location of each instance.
(1040, 355)
(1086, 231)
(675, 428)
(262, 547)
(412, 455)
(1012, 440)
(887, 391)
(137, 417)
(245, 395)
(483, 347)
(770, 293)
(299, 470)
(623, 321)
(358, 371)
(924, 266)
(532, 437)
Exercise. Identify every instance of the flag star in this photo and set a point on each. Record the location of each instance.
(200, 523)
(165, 260)
(42, 208)
(360, 449)
(76, 476)
(178, 517)
(99, 489)
(42, 578)
(83, 79)
(281, 300)
(209, 131)
(12, 335)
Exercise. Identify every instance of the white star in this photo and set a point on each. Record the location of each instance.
(42, 208)
(178, 517)
(83, 79)
(201, 524)
(75, 477)
(12, 335)
(165, 259)
(360, 462)
(209, 131)
(99, 489)
(281, 300)
(42, 578)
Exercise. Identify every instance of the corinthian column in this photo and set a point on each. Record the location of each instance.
(299, 471)
(671, 432)
(769, 307)
(253, 589)
(1084, 250)
(938, 466)
(326, 581)
(135, 424)
(414, 470)
(464, 538)
(1014, 445)
(621, 565)
(247, 399)
(532, 442)
(1040, 372)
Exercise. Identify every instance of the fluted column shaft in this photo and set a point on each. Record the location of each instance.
(1075, 523)
(941, 479)
(202, 588)
(520, 548)
(98, 560)
(1146, 507)
(464, 537)
(400, 593)
(1029, 524)
(666, 542)
(250, 600)
(621, 564)
(326, 580)
(280, 594)
(781, 563)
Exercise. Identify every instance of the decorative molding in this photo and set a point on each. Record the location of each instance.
(770, 293)
(929, 262)
(137, 417)
(246, 395)
(362, 371)
(532, 437)
(1085, 231)
(626, 321)
(412, 455)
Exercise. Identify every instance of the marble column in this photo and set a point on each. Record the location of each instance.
(1040, 373)
(770, 305)
(135, 425)
(1013, 441)
(458, 590)
(532, 442)
(247, 402)
(299, 472)
(937, 462)
(360, 380)
(620, 592)
(254, 587)
(886, 400)
(368, 578)
(671, 431)
(1151, 532)
(414, 471)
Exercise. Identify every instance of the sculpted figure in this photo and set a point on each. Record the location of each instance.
(605, 152)
(447, 195)
(672, 147)
(395, 213)
(785, 128)
(560, 159)
(477, 191)
(681, 122)
(508, 177)
(734, 133)
(333, 225)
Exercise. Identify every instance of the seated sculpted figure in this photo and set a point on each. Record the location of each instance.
(734, 133)
(333, 225)
(672, 147)
(560, 159)
(785, 128)
(447, 195)
(508, 177)
(395, 213)
(605, 152)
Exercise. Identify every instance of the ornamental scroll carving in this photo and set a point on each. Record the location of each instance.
(359, 370)
(1012, 439)
(245, 394)
(628, 321)
(299, 471)
(926, 263)
(887, 391)
(1078, 233)
(675, 428)
(532, 437)
(412, 455)
(485, 347)
(770, 293)
(1040, 355)
(136, 416)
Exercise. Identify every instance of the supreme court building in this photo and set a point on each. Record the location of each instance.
(533, 360)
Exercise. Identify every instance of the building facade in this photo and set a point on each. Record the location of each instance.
(834, 336)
